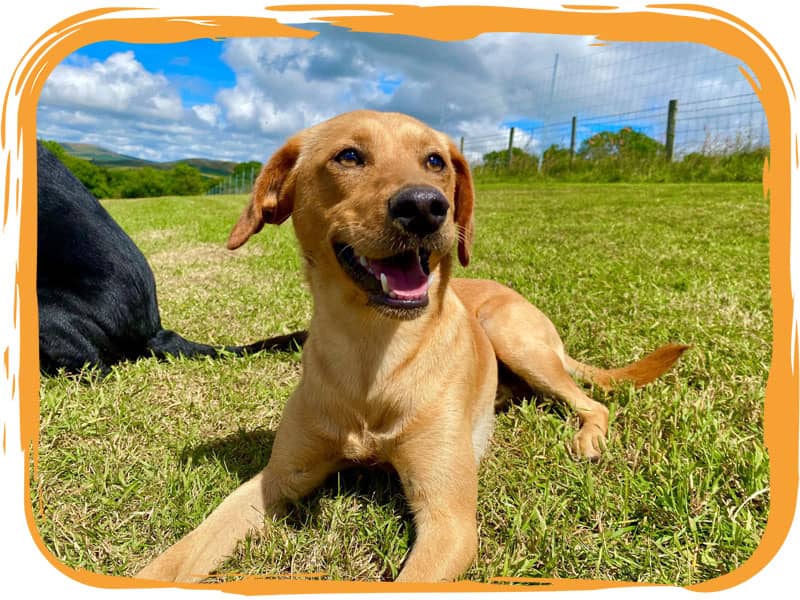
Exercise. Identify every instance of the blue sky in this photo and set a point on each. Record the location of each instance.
(238, 99)
(195, 68)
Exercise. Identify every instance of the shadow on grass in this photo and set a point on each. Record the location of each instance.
(513, 391)
(245, 453)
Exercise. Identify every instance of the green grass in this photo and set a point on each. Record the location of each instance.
(129, 464)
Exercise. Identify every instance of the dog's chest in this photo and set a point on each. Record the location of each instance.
(375, 388)
(364, 447)
(368, 422)
(375, 423)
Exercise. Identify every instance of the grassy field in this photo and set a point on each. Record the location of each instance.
(131, 463)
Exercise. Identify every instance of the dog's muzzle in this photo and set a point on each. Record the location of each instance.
(398, 283)
(418, 211)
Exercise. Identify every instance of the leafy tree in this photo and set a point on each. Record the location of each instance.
(54, 147)
(146, 182)
(246, 168)
(102, 182)
(185, 180)
(625, 143)
(93, 177)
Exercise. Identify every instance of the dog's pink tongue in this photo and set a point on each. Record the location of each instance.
(406, 281)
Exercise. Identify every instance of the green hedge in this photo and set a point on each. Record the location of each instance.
(623, 156)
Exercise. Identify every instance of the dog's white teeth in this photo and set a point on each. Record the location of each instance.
(392, 295)
(384, 283)
(363, 261)
(430, 279)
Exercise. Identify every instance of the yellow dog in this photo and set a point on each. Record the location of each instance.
(400, 365)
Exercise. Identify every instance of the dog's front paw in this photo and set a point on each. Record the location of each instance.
(174, 566)
(589, 442)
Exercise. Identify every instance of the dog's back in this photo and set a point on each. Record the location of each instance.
(96, 292)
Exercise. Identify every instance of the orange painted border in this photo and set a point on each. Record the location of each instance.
(698, 24)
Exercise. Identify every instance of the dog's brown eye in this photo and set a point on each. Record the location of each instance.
(349, 157)
(434, 162)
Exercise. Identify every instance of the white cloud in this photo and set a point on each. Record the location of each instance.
(147, 139)
(249, 107)
(463, 88)
(120, 84)
(474, 88)
(277, 91)
(207, 113)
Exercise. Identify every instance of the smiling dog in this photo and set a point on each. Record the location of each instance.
(400, 365)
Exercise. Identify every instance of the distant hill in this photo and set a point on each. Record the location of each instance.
(217, 168)
(106, 158)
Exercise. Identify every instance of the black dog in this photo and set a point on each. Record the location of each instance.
(97, 294)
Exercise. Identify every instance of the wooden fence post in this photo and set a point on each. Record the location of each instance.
(670, 141)
(510, 145)
(572, 139)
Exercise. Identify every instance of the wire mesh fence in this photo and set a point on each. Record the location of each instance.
(238, 183)
(565, 101)
(621, 86)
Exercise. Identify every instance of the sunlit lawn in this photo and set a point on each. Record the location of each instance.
(129, 464)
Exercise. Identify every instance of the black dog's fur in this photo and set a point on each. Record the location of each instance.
(96, 292)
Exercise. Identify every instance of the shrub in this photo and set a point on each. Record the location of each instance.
(625, 144)
(625, 156)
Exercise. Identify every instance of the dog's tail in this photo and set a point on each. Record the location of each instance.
(168, 343)
(279, 343)
(639, 373)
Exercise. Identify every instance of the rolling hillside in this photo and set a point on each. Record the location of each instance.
(106, 158)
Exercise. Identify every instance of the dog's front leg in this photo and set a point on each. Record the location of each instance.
(195, 555)
(441, 485)
(300, 461)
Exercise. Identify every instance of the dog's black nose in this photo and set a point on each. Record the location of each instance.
(419, 210)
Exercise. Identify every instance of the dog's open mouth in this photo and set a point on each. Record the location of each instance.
(400, 281)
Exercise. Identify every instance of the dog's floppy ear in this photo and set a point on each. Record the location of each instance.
(464, 198)
(273, 195)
